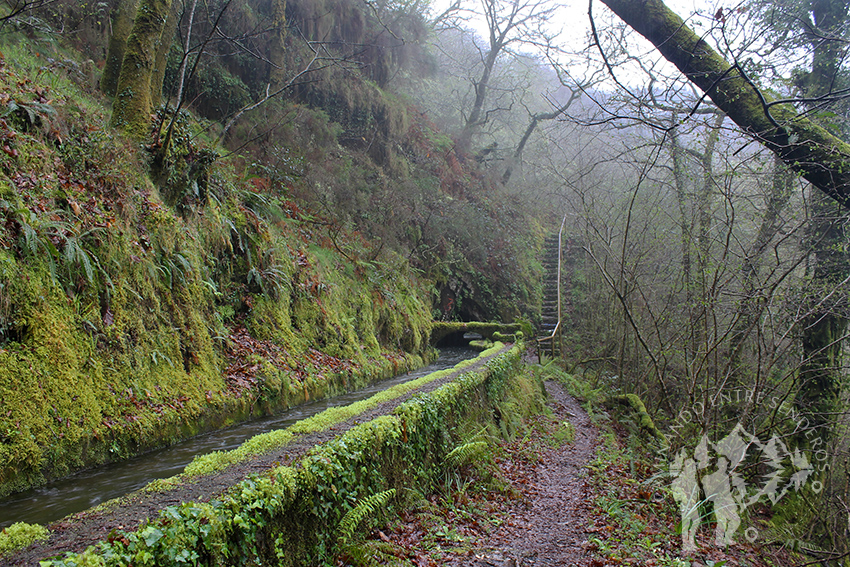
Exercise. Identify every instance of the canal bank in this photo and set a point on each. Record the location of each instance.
(474, 391)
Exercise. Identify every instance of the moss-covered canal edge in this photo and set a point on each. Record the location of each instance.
(291, 516)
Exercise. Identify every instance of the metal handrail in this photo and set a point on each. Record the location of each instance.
(558, 283)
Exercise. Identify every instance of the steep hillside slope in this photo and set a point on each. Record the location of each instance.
(126, 323)
(252, 251)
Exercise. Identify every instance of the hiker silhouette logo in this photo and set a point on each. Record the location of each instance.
(712, 474)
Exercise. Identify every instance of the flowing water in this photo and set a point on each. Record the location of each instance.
(89, 488)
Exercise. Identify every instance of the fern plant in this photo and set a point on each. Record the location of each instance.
(466, 453)
(81, 261)
(364, 509)
(49, 236)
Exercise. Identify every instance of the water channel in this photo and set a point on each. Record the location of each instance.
(88, 488)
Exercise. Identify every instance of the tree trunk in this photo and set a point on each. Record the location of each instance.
(122, 25)
(187, 42)
(819, 156)
(132, 106)
(823, 333)
(825, 325)
(535, 120)
(162, 49)
(475, 120)
(278, 45)
(686, 227)
(749, 309)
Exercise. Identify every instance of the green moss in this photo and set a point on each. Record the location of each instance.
(645, 422)
(127, 350)
(21, 535)
(132, 106)
(268, 441)
(480, 344)
(441, 329)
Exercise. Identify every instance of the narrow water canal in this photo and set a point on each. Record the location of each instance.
(89, 488)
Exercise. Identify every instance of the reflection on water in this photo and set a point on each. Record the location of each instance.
(89, 488)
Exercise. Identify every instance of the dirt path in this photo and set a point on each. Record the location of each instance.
(550, 529)
(529, 507)
(78, 531)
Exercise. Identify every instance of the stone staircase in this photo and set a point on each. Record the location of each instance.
(549, 308)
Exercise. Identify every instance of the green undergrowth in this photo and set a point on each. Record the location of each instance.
(590, 394)
(131, 318)
(634, 518)
(478, 493)
(302, 514)
(633, 514)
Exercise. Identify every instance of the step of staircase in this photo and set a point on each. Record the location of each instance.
(549, 303)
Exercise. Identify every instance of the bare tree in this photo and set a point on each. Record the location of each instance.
(17, 8)
(509, 22)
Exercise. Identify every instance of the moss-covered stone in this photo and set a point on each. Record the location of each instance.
(20, 535)
(442, 329)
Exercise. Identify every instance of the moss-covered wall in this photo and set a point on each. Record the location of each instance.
(292, 515)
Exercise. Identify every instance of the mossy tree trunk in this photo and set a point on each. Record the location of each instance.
(278, 45)
(122, 25)
(825, 324)
(808, 148)
(132, 106)
(162, 50)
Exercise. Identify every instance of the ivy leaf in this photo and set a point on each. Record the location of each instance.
(151, 535)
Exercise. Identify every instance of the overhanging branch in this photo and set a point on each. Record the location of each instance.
(809, 149)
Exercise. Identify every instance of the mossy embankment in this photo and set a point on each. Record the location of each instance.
(127, 323)
(296, 515)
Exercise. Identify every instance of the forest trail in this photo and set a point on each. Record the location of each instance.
(551, 526)
(535, 508)
(591, 502)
